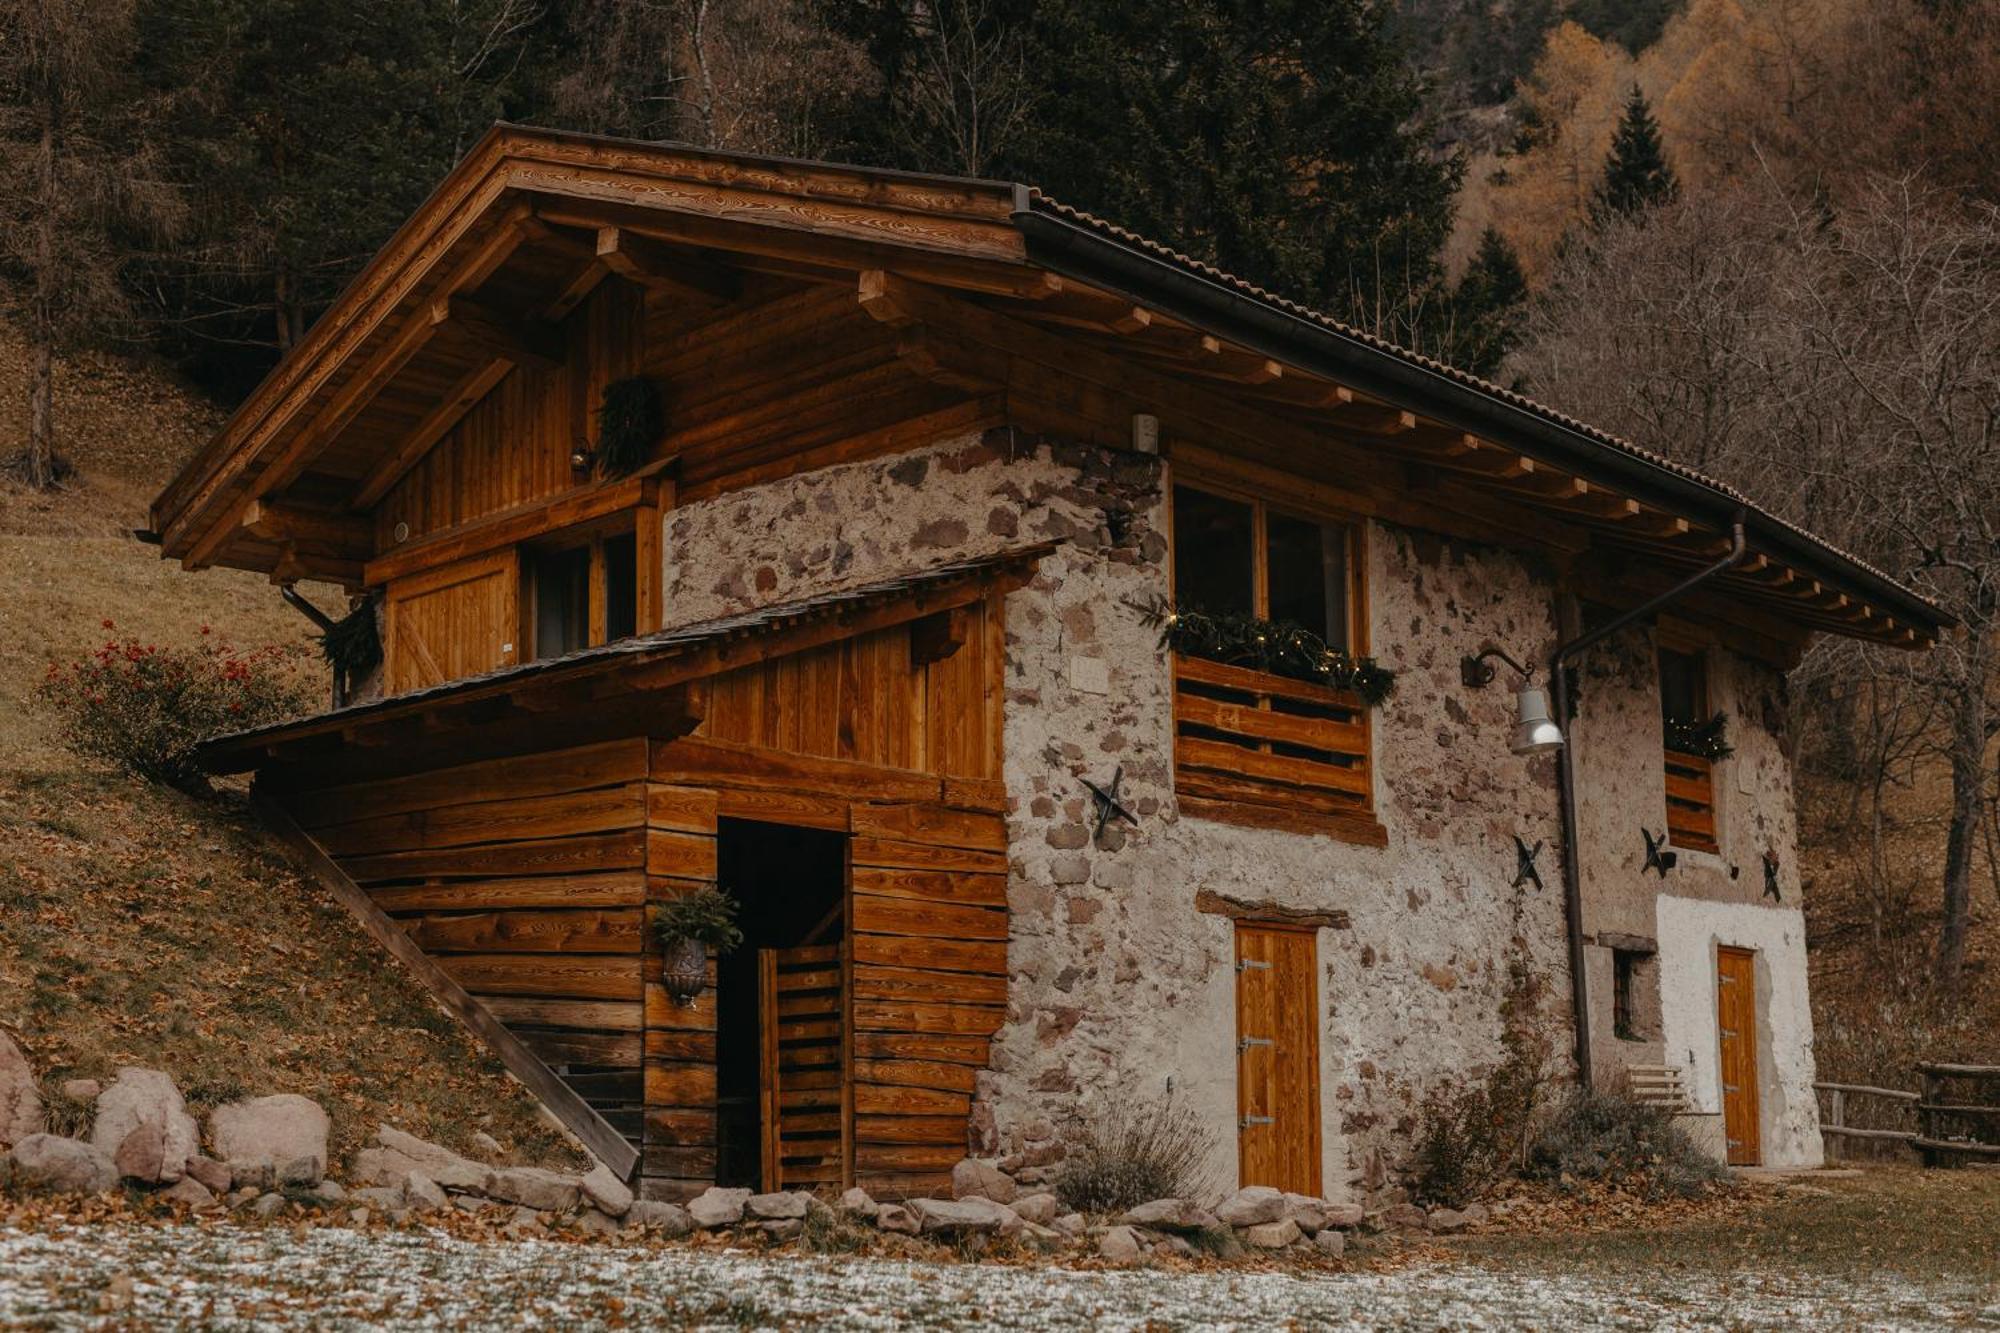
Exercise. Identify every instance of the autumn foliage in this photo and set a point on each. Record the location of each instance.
(145, 707)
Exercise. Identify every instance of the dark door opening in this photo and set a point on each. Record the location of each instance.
(777, 1041)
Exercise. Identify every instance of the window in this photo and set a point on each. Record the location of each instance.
(583, 594)
(1690, 779)
(1250, 746)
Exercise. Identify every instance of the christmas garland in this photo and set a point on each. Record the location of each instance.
(629, 423)
(1275, 646)
(353, 645)
(1703, 740)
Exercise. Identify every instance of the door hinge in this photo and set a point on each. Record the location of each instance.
(1246, 964)
(1250, 1120)
(1247, 1042)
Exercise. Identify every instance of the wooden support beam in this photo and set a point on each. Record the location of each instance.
(275, 522)
(663, 268)
(937, 637)
(1364, 416)
(521, 339)
(589, 274)
(437, 423)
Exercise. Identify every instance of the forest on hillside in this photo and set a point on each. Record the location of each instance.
(1758, 236)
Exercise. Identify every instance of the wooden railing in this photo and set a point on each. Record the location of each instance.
(1834, 1124)
(1691, 802)
(1948, 1130)
(1250, 747)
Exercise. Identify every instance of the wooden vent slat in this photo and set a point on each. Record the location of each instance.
(1691, 802)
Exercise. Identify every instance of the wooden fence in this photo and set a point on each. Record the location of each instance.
(1948, 1128)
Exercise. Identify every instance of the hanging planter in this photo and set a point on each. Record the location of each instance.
(630, 422)
(689, 927)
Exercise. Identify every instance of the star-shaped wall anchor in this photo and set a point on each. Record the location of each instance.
(1108, 806)
(1657, 856)
(1524, 863)
(1771, 878)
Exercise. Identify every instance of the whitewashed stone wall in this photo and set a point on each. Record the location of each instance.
(1121, 990)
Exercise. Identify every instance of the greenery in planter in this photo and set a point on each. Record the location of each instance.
(629, 423)
(353, 646)
(707, 915)
(1279, 647)
(1704, 740)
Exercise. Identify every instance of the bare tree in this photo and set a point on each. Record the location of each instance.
(1845, 364)
(967, 95)
(73, 170)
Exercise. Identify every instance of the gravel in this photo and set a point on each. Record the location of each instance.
(225, 1277)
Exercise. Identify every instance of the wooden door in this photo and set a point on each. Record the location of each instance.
(1277, 1058)
(1736, 1024)
(454, 621)
(803, 1065)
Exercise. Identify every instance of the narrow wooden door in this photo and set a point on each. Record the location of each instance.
(1736, 1023)
(1277, 1058)
(454, 621)
(799, 1016)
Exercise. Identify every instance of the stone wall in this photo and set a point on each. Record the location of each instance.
(1123, 993)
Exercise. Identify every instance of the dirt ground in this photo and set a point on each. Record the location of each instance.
(1893, 1249)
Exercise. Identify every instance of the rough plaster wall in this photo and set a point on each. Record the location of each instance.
(1622, 786)
(1690, 929)
(1120, 986)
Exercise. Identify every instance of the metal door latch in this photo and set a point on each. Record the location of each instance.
(1248, 1042)
(1250, 1120)
(1246, 964)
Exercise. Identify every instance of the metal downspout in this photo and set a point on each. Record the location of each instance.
(1566, 765)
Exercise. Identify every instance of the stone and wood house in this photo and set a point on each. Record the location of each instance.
(1074, 661)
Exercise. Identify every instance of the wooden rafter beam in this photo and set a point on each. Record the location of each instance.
(663, 268)
(521, 339)
(436, 424)
(343, 533)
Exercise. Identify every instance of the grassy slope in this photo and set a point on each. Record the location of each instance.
(138, 926)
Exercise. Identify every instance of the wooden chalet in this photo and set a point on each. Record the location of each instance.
(556, 744)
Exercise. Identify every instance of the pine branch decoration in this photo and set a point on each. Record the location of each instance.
(1704, 740)
(353, 645)
(629, 423)
(1275, 646)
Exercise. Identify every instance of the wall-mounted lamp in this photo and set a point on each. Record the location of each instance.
(581, 456)
(1535, 732)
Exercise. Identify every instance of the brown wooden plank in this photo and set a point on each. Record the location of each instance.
(1356, 826)
(727, 764)
(875, 982)
(554, 816)
(610, 1146)
(921, 1046)
(618, 888)
(670, 1044)
(883, 1099)
(1191, 752)
(916, 1074)
(932, 824)
(540, 774)
(687, 809)
(889, 853)
(782, 807)
(907, 1157)
(580, 977)
(689, 855)
(680, 1126)
(680, 1085)
(529, 932)
(915, 917)
(932, 1129)
(1263, 682)
(600, 1015)
(939, 955)
(1266, 724)
(555, 856)
(663, 1012)
(932, 885)
(906, 1016)
(585, 1048)
(681, 1162)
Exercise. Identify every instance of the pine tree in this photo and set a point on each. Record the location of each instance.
(1487, 305)
(1637, 175)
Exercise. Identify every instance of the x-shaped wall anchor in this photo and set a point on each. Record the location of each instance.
(1107, 803)
(1657, 856)
(1771, 878)
(1524, 863)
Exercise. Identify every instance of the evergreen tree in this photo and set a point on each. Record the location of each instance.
(1487, 306)
(1637, 175)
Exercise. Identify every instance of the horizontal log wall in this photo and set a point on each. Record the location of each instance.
(525, 879)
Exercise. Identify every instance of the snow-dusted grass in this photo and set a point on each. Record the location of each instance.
(76, 1276)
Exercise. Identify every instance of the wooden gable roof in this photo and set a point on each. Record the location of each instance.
(988, 288)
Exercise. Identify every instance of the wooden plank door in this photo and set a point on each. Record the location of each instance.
(454, 621)
(1736, 1024)
(803, 1062)
(1277, 1058)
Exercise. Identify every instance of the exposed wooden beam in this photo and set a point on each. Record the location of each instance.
(437, 423)
(663, 268)
(344, 533)
(520, 339)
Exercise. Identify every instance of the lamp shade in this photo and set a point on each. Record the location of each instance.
(1535, 732)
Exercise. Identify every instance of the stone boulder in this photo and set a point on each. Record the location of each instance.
(1037, 1209)
(1343, 1215)
(1252, 1206)
(144, 1107)
(716, 1207)
(605, 1192)
(536, 1188)
(667, 1218)
(1447, 1221)
(971, 1216)
(1404, 1217)
(280, 1131)
(1307, 1211)
(63, 1166)
(780, 1206)
(398, 1154)
(857, 1202)
(215, 1177)
(20, 1099)
(1272, 1235)
(896, 1217)
(1120, 1245)
(187, 1190)
(423, 1194)
(1172, 1215)
(1330, 1242)
(974, 1179)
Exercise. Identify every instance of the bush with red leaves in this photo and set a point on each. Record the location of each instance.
(145, 707)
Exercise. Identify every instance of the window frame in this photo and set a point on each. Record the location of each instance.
(1272, 802)
(593, 537)
(1693, 774)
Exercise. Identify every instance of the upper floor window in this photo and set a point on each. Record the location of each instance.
(581, 595)
(1253, 747)
(1690, 779)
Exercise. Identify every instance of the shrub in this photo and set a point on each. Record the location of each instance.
(1603, 1136)
(1134, 1154)
(707, 914)
(146, 707)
